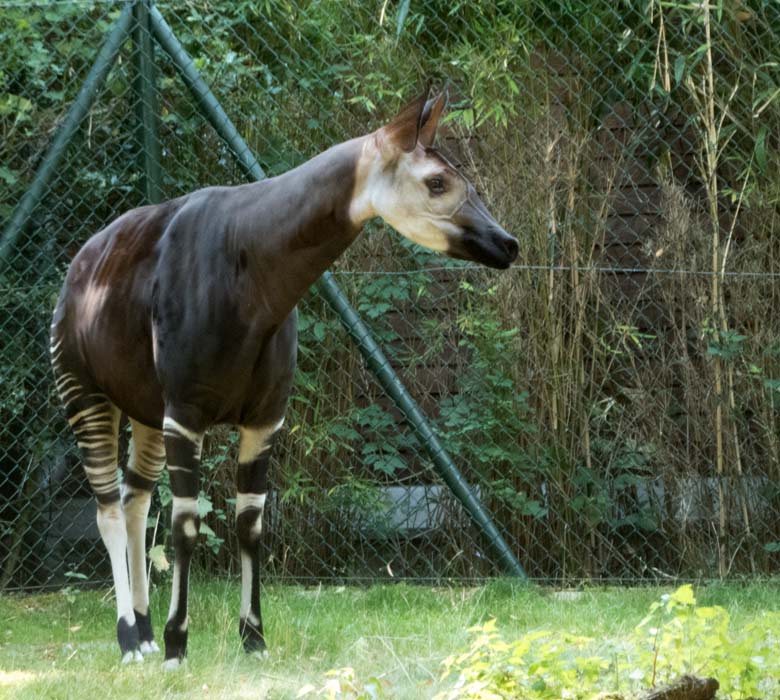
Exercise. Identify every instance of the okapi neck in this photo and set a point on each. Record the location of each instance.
(297, 224)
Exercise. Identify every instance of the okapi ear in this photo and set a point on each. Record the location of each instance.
(430, 119)
(403, 130)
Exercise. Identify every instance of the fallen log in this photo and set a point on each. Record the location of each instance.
(685, 688)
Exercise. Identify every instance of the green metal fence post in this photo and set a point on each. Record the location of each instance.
(144, 86)
(89, 90)
(358, 331)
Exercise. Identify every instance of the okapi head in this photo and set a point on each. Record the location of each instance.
(414, 188)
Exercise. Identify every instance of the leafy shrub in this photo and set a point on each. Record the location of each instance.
(342, 684)
(677, 637)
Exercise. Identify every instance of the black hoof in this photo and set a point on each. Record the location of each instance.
(144, 624)
(251, 636)
(175, 641)
(127, 636)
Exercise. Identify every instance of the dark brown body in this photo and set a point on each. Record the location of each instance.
(182, 316)
(191, 303)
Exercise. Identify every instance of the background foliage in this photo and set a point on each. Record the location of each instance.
(613, 398)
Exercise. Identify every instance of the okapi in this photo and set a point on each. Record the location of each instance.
(182, 315)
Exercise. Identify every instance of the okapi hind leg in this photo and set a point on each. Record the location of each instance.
(252, 487)
(94, 420)
(147, 458)
(182, 449)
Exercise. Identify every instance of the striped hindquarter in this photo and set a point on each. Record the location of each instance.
(94, 420)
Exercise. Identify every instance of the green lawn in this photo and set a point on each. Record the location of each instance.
(53, 647)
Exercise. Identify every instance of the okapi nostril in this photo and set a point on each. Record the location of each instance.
(507, 244)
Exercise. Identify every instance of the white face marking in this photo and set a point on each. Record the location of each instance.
(397, 192)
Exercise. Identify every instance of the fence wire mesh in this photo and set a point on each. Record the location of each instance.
(613, 399)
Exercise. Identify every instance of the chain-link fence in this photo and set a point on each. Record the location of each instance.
(613, 399)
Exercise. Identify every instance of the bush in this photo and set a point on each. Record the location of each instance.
(677, 638)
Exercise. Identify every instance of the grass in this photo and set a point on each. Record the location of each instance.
(62, 646)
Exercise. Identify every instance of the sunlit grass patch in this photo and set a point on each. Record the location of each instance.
(58, 646)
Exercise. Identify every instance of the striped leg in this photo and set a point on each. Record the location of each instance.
(95, 422)
(182, 449)
(252, 482)
(147, 457)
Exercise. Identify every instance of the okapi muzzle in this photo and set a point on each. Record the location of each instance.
(482, 239)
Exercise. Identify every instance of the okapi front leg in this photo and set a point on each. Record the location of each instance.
(252, 483)
(147, 458)
(182, 448)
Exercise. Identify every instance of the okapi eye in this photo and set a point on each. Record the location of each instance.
(435, 185)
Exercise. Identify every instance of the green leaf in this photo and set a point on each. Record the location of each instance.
(403, 10)
(159, 560)
(204, 505)
(772, 384)
(76, 575)
(760, 148)
(772, 547)
(684, 595)
(679, 69)
(8, 176)
(206, 530)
